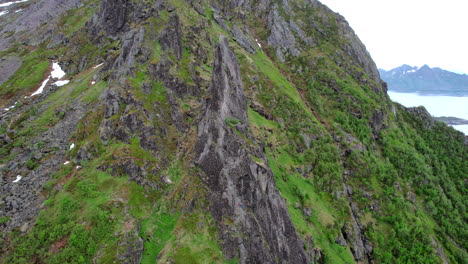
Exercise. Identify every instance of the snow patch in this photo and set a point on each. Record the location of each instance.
(66, 162)
(61, 83)
(97, 66)
(13, 2)
(72, 146)
(57, 72)
(18, 178)
(41, 89)
(3, 13)
(410, 71)
(258, 43)
(78, 167)
(93, 82)
(19, 10)
(11, 107)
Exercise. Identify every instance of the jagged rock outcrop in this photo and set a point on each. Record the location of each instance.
(253, 220)
(132, 43)
(112, 16)
(171, 36)
(281, 37)
(242, 39)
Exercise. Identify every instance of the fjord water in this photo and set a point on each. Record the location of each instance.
(437, 105)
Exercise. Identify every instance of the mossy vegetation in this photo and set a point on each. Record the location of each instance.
(316, 116)
(33, 70)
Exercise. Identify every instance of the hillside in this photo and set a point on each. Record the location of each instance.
(425, 80)
(172, 131)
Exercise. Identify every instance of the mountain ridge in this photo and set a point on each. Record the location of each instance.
(215, 132)
(425, 80)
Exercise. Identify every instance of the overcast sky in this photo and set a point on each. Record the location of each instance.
(414, 32)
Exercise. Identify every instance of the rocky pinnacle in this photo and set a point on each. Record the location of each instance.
(251, 215)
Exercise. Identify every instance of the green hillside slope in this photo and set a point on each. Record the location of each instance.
(216, 132)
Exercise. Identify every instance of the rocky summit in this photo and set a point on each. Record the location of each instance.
(193, 131)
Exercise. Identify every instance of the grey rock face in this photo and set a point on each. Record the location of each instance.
(242, 191)
(27, 23)
(131, 47)
(353, 233)
(112, 16)
(340, 240)
(171, 36)
(8, 67)
(378, 122)
(281, 37)
(41, 12)
(21, 201)
(133, 244)
(245, 42)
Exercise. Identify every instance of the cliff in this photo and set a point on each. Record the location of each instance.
(214, 132)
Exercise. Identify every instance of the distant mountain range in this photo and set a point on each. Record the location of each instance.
(425, 80)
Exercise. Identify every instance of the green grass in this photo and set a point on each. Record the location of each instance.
(156, 232)
(75, 19)
(320, 226)
(302, 191)
(157, 94)
(266, 66)
(232, 122)
(79, 88)
(29, 76)
(194, 241)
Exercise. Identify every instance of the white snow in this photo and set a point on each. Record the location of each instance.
(258, 43)
(41, 89)
(18, 178)
(93, 82)
(11, 3)
(3, 13)
(57, 71)
(19, 10)
(61, 83)
(410, 71)
(72, 146)
(11, 107)
(97, 66)
(78, 167)
(66, 162)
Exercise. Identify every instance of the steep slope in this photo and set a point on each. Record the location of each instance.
(215, 132)
(425, 80)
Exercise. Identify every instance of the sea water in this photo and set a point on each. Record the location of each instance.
(437, 105)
